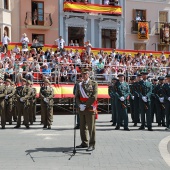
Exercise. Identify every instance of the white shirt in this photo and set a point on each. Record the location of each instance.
(24, 40)
(60, 43)
(5, 40)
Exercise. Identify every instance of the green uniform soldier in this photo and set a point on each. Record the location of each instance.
(10, 92)
(136, 99)
(14, 100)
(2, 103)
(145, 91)
(46, 95)
(111, 92)
(86, 98)
(122, 92)
(160, 107)
(166, 88)
(153, 100)
(23, 94)
(32, 107)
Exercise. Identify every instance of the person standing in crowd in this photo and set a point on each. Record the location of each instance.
(122, 91)
(23, 94)
(5, 41)
(166, 96)
(145, 91)
(86, 98)
(60, 43)
(111, 92)
(2, 103)
(160, 106)
(88, 47)
(46, 95)
(153, 100)
(24, 40)
(10, 92)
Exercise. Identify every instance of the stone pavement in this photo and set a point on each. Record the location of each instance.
(35, 148)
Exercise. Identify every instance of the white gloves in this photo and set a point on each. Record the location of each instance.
(122, 99)
(169, 98)
(45, 100)
(6, 97)
(133, 97)
(161, 99)
(144, 98)
(21, 99)
(82, 107)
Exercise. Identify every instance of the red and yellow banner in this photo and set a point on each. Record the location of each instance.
(66, 90)
(143, 30)
(92, 8)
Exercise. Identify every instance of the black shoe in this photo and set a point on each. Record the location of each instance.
(121, 124)
(135, 124)
(111, 121)
(77, 127)
(117, 128)
(10, 123)
(17, 126)
(127, 129)
(15, 120)
(49, 127)
(141, 128)
(31, 123)
(90, 148)
(159, 124)
(150, 129)
(81, 146)
(44, 126)
(114, 124)
(3, 127)
(27, 126)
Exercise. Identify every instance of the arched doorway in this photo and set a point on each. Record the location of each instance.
(6, 29)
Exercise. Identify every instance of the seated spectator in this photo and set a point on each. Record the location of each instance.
(16, 49)
(63, 75)
(72, 74)
(100, 66)
(9, 73)
(48, 54)
(19, 74)
(71, 43)
(76, 43)
(2, 71)
(46, 72)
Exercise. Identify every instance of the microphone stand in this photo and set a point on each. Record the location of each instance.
(74, 151)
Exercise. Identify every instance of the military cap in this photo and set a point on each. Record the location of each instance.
(139, 74)
(168, 75)
(132, 77)
(144, 73)
(47, 81)
(155, 79)
(114, 78)
(8, 80)
(161, 78)
(24, 80)
(120, 75)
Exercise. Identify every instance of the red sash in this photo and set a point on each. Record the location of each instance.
(95, 104)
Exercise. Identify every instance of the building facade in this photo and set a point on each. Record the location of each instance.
(92, 22)
(156, 13)
(5, 17)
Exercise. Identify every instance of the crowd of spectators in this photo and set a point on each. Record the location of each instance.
(62, 65)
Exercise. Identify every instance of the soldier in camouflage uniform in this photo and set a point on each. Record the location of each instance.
(2, 103)
(14, 100)
(46, 95)
(10, 92)
(23, 94)
(111, 92)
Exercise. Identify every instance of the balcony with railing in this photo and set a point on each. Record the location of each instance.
(38, 22)
(134, 28)
(92, 8)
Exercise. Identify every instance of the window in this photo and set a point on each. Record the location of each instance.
(40, 37)
(6, 4)
(6, 29)
(163, 16)
(138, 15)
(38, 13)
(139, 46)
(163, 47)
(108, 38)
